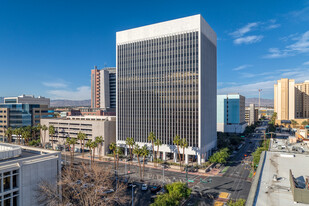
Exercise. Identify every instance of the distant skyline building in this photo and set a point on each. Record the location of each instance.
(167, 84)
(251, 114)
(291, 100)
(22, 111)
(103, 88)
(231, 113)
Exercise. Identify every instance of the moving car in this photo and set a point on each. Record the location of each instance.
(144, 187)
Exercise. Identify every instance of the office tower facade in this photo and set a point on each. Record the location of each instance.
(251, 114)
(103, 88)
(302, 100)
(22, 111)
(166, 84)
(231, 113)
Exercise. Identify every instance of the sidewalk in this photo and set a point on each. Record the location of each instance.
(214, 172)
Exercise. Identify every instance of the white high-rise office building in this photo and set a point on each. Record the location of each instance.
(167, 84)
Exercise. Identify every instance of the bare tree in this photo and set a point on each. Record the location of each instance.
(83, 186)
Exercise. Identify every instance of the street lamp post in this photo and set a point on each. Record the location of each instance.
(133, 194)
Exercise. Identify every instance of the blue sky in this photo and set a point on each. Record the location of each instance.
(48, 47)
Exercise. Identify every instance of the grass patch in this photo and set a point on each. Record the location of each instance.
(251, 174)
(225, 169)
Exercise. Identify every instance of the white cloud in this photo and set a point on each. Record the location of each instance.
(81, 93)
(273, 26)
(242, 31)
(300, 46)
(248, 39)
(55, 84)
(300, 14)
(242, 67)
(306, 63)
(250, 90)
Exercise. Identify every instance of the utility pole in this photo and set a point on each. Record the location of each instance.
(260, 100)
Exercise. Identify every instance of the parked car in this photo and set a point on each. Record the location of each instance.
(155, 189)
(144, 187)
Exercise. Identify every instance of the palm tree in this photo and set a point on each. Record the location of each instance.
(68, 142)
(51, 130)
(112, 147)
(15, 132)
(18, 132)
(137, 151)
(26, 135)
(305, 123)
(73, 142)
(144, 153)
(130, 142)
(94, 145)
(294, 123)
(89, 145)
(81, 137)
(177, 143)
(157, 143)
(9, 133)
(44, 128)
(118, 152)
(183, 144)
(100, 141)
(152, 138)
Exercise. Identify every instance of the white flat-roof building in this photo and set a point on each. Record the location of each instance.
(92, 126)
(22, 169)
(27, 99)
(167, 84)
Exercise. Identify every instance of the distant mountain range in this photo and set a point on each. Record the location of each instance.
(86, 103)
(264, 102)
(70, 103)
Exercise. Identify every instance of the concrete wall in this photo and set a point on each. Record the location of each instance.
(92, 128)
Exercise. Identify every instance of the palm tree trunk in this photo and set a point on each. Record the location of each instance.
(140, 169)
(52, 141)
(83, 148)
(73, 151)
(183, 155)
(179, 157)
(153, 151)
(144, 166)
(115, 160)
(93, 154)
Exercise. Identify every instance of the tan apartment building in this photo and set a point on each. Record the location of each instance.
(92, 126)
(103, 88)
(251, 114)
(291, 100)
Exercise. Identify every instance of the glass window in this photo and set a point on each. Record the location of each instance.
(7, 183)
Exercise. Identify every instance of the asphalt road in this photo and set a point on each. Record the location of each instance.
(234, 181)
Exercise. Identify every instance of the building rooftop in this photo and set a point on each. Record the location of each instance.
(10, 153)
(273, 193)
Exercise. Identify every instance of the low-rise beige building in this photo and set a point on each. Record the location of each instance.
(92, 126)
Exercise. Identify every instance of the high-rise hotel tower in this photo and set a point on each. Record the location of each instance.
(167, 84)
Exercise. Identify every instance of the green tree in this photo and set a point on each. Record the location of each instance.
(100, 141)
(176, 192)
(8, 134)
(26, 135)
(118, 153)
(183, 145)
(94, 145)
(294, 123)
(158, 144)
(239, 202)
(305, 123)
(177, 142)
(81, 137)
(73, 142)
(130, 142)
(138, 152)
(220, 156)
(112, 147)
(144, 154)
(18, 132)
(89, 145)
(44, 128)
(52, 132)
(273, 118)
(152, 139)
